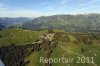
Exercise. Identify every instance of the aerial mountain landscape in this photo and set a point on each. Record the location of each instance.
(50, 37)
(49, 32)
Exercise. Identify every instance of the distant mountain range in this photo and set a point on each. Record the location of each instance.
(73, 23)
(81, 22)
(7, 21)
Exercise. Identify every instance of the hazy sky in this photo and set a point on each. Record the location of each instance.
(35, 8)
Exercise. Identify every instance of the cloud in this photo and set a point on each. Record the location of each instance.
(44, 3)
(88, 3)
(87, 7)
(5, 11)
(20, 13)
(63, 2)
(2, 7)
(60, 8)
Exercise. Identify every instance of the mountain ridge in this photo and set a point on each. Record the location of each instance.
(81, 22)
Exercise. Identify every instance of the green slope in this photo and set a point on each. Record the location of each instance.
(69, 45)
(18, 36)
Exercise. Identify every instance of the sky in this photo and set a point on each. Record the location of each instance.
(36, 8)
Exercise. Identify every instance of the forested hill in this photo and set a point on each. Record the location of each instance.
(81, 22)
